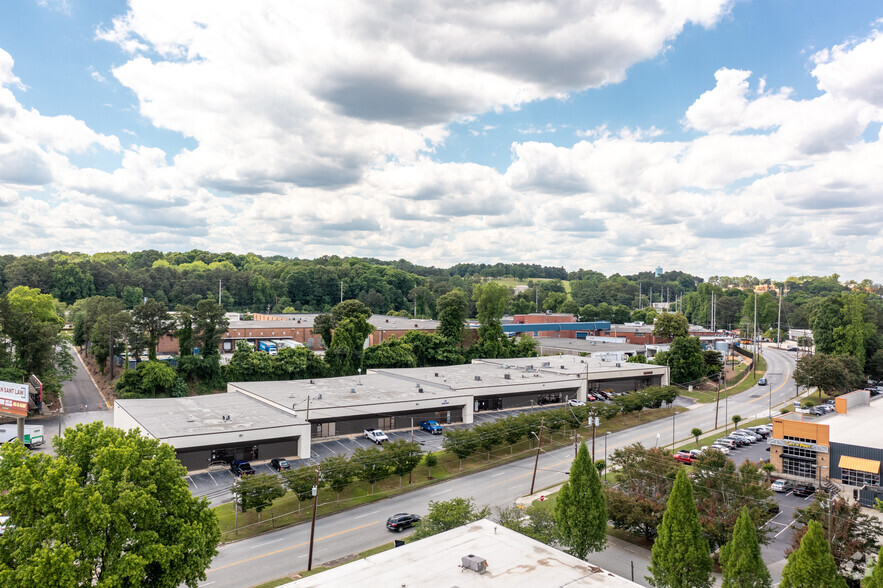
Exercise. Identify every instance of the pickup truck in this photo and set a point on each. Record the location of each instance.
(376, 435)
(685, 456)
(431, 427)
(242, 468)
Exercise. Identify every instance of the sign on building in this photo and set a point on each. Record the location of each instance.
(14, 399)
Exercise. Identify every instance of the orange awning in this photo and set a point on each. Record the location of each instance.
(862, 465)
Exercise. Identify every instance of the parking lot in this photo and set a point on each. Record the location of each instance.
(215, 485)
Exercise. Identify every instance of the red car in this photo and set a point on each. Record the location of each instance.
(684, 457)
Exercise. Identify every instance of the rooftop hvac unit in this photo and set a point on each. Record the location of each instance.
(475, 563)
(618, 364)
(478, 378)
(562, 367)
(420, 390)
(352, 390)
(436, 374)
(546, 364)
(507, 376)
(312, 381)
(319, 397)
(190, 418)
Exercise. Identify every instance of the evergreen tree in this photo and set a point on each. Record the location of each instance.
(740, 559)
(875, 579)
(680, 556)
(581, 511)
(812, 565)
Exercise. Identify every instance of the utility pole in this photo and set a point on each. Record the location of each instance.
(313, 523)
(110, 353)
(537, 460)
(594, 422)
(308, 409)
(341, 292)
(640, 297)
(779, 324)
(756, 341)
(412, 429)
(219, 292)
(717, 403)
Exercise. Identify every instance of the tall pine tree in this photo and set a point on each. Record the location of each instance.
(740, 558)
(680, 556)
(580, 509)
(812, 565)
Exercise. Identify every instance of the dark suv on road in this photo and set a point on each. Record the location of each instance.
(401, 521)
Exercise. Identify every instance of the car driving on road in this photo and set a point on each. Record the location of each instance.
(401, 521)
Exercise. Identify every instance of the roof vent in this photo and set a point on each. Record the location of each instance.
(312, 381)
(436, 374)
(475, 563)
(319, 397)
(478, 378)
(190, 418)
(420, 390)
(507, 376)
(352, 390)
(387, 320)
(546, 364)
(562, 367)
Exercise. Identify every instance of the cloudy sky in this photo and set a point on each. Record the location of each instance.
(711, 136)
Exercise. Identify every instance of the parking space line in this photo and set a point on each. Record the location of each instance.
(785, 529)
(212, 477)
(192, 482)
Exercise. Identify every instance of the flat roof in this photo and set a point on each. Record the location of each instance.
(347, 391)
(513, 561)
(167, 418)
(572, 365)
(381, 322)
(586, 346)
(491, 373)
(859, 426)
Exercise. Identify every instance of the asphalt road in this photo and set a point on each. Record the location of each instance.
(80, 393)
(273, 555)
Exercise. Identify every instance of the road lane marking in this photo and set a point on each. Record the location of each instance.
(500, 474)
(442, 492)
(368, 514)
(268, 542)
(773, 391)
(284, 549)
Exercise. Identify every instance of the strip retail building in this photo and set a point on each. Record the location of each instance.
(260, 420)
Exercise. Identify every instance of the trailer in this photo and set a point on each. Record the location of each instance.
(267, 347)
(33, 434)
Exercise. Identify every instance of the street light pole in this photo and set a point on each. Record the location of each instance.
(605, 454)
(313, 523)
(537, 460)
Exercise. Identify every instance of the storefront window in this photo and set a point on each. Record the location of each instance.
(858, 478)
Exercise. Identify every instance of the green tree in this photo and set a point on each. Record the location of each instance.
(452, 309)
(184, 330)
(580, 510)
(430, 460)
(645, 479)
(875, 578)
(403, 456)
(301, 482)
(449, 514)
(461, 442)
(372, 464)
(257, 492)
(338, 472)
(696, 432)
(536, 521)
(851, 337)
(37, 346)
(392, 353)
(209, 325)
(829, 373)
(344, 355)
(110, 509)
(686, 360)
(670, 325)
(736, 420)
(680, 556)
(852, 536)
(153, 321)
(151, 379)
(812, 565)
(490, 299)
(741, 560)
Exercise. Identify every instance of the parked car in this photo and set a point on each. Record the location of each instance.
(725, 442)
(750, 434)
(830, 402)
(817, 411)
(376, 435)
(590, 398)
(737, 441)
(780, 486)
(696, 453)
(240, 468)
(684, 456)
(722, 448)
(431, 427)
(762, 382)
(576, 402)
(750, 437)
(761, 430)
(804, 490)
(280, 464)
(791, 349)
(401, 521)
(4, 524)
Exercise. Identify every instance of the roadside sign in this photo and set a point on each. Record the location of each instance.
(14, 399)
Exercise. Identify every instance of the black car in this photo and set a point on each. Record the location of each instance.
(401, 521)
(804, 490)
(242, 468)
(280, 464)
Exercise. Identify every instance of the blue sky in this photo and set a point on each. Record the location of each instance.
(716, 137)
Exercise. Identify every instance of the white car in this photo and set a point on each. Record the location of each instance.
(576, 402)
(780, 486)
(721, 448)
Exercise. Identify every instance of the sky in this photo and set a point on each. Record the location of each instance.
(711, 136)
